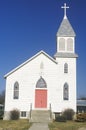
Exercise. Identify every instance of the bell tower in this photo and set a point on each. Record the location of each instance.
(65, 37)
(66, 58)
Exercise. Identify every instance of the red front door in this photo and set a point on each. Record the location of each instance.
(40, 98)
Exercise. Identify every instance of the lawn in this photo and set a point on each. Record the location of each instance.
(14, 125)
(24, 125)
(69, 125)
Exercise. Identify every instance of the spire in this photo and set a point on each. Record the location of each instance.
(65, 10)
(65, 28)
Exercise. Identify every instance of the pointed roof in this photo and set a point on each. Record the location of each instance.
(65, 28)
(32, 58)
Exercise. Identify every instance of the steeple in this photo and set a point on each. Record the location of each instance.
(65, 37)
(65, 28)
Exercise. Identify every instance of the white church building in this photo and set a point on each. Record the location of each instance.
(44, 82)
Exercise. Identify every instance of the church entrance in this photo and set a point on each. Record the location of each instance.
(41, 94)
(40, 98)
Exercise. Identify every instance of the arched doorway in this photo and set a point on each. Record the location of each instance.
(41, 94)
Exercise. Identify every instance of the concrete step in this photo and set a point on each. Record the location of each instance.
(40, 116)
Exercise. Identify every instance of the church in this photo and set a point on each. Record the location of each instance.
(44, 82)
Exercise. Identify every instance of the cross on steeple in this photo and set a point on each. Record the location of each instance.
(65, 8)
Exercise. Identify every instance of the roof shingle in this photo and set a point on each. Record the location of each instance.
(65, 28)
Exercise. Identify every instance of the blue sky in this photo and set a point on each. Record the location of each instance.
(28, 26)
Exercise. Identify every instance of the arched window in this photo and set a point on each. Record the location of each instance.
(65, 68)
(16, 90)
(69, 44)
(41, 83)
(62, 44)
(65, 92)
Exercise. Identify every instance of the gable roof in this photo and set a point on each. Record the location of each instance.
(65, 28)
(39, 53)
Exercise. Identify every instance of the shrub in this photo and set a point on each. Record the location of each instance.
(14, 114)
(60, 119)
(81, 117)
(68, 114)
(1, 114)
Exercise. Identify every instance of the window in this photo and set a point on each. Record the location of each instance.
(23, 113)
(62, 44)
(41, 83)
(42, 66)
(65, 68)
(16, 90)
(65, 92)
(69, 44)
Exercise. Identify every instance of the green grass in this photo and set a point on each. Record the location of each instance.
(24, 125)
(69, 125)
(15, 124)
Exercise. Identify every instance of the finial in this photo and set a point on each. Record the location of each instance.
(65, 8)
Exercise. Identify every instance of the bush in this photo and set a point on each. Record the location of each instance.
(81, 117)
(60, 119)
(68, 114)
(14, 114)
(1, 114)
